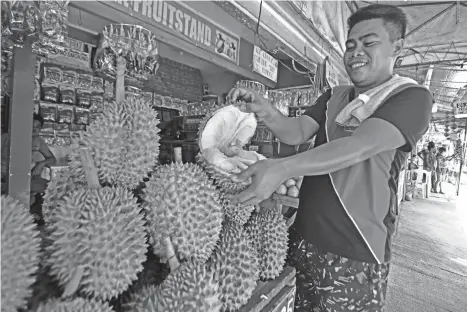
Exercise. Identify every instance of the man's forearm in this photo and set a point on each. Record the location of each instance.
(287, 130)
(327, 158)
(48, 161)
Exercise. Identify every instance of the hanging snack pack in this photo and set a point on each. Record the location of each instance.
(64, 114)
(97, 102)
(62, 139)
(37, 89)
(147, 97)
(50, 92)
(109, 89)
(48, 139)
(70, 78)
(52, 74)
(49, 112)
(85, 81)
(97, 84)
(133, 91)
(62, 128)
(83, 98)
(157, 100)
(67, 94)
(48, 128)
(81, 116)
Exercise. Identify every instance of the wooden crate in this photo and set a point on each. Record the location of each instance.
(271, 296)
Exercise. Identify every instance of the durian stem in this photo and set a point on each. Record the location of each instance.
(170, 254)
(120, 83)
(89, 169)
(72, 286)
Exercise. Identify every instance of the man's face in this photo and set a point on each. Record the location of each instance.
(370, 53)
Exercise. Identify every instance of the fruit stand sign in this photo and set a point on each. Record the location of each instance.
(264, 64)
(182, 20)
(287, 304)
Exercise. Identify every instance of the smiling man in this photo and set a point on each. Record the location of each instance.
(340, 242)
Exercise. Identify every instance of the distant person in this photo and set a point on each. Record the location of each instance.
(40, 158)
(429, 163)
(441, 168)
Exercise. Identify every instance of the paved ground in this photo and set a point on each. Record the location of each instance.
(429, 271)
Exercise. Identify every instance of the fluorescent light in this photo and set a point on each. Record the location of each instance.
(434, 108)
(461, 116)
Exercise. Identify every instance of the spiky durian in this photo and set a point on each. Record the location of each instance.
(63, 183)
(235, 267)
(183, 204)
(268, 230)
(237, 213)
(74, 305)
(123, 141)
(101, 232)
(190, 288)
(20, 253)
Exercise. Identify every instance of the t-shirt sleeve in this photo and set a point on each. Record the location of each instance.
(410, 112)
(318, 110)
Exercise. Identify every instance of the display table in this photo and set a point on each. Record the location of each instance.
(274, 296)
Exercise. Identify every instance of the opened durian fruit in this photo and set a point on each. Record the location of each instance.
(20, 254)
(222, 136)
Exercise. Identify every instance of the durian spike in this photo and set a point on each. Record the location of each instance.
(178, 154)
(72, 286)
(120, 83)
(90, 169)
(170, 254)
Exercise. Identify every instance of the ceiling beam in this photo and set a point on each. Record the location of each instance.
(431, 63)
(430, 19)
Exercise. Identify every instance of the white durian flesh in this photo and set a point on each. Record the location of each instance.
(20, 247)
(235, 267)
(102, 232)
(222, 136)
(190, 288)
(74, 305)
(269, 233)
(182, 203)
(123, 141)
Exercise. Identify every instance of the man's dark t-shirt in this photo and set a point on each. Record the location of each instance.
(351, 212)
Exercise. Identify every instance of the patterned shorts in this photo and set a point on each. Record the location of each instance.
(330, 283)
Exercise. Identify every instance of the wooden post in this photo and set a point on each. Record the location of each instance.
(20, 124)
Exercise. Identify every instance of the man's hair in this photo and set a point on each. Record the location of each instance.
(394, 18)
(442, 149)
(431, 145)
(39, 118)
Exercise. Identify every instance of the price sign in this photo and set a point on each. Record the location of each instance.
(287, 304)
(265, 64)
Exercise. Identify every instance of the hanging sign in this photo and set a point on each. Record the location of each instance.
(264, 64)
(179, 18)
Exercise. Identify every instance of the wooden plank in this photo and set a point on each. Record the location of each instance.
(285, 200)
(20, 124)
(266, 292)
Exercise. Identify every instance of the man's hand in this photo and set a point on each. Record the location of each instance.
(266, 176)
(37, 170)
(251, 102)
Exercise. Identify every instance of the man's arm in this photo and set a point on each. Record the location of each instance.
(295, 131)
(292, 131)
(47, 153)
(399, 124)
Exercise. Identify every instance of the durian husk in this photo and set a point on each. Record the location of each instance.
(237, 213)
(182, 203)
(222, 180)
(74, 305)
(20, 247)
(235, 267)
(269, 232)
(62, 184)
(102, 232)
(190, 288)
(124, 144)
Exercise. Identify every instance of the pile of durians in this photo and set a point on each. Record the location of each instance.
(106, 248)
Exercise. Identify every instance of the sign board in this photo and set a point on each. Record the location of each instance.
(264, 64)
(287, 303)
(180, 19)
(331, 74)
